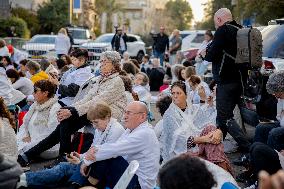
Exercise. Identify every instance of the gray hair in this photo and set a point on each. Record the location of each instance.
(113, 56)
(275, 83)
(32, 65)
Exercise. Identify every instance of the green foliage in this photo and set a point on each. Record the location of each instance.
(180, 13)
(262, 10)
(211, 7)
(53, 15)
(29, 17)
(20, 25)
(109, 7)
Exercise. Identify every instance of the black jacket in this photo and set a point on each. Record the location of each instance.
(225, 40)
(115, 42)
(161, 43)
(10, 172)
(156, 78)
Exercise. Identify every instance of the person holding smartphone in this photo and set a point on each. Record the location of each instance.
(107, 130)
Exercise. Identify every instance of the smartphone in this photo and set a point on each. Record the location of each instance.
(67, 155)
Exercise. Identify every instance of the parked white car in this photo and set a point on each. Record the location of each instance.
(40, 46)
(80, 35)
(135, 47)
(193, 40)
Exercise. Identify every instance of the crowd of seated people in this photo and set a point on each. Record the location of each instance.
(114, 108)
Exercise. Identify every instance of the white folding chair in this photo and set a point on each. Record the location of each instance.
(127, 175)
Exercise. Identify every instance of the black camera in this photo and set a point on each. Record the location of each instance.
(153, 35)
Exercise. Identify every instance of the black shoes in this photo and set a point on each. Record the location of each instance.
(22, 161)
(242, 161)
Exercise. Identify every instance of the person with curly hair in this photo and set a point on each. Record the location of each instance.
(8, 144)
(40, 120)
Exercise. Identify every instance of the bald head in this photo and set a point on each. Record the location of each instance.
(139, 106)
(135, 114)
(222, 16)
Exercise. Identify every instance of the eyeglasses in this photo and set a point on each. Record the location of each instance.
(132, 113)
(36, 89)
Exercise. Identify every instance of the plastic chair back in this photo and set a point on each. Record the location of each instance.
(127, 175)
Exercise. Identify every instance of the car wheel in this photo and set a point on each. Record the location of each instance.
(140, 56)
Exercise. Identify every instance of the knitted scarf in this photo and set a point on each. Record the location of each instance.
(43, 112)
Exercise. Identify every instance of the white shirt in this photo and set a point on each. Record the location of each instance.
(280, 112)
(140, 144)
(24, 85)
(78, 77)
(122, 44)
(4, 51)
(62, 44)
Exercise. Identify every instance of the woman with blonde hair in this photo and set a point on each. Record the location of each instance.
(62, 43)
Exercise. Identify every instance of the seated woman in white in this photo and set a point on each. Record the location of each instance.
(187, 127)
(40, 120)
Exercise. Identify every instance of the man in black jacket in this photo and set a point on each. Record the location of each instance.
(118, 41)
(230, 77)
(161, 44)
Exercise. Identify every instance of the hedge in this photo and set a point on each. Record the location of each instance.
(21, 28)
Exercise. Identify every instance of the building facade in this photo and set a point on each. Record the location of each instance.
(5, 8)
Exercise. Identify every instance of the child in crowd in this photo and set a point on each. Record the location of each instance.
(141, 87)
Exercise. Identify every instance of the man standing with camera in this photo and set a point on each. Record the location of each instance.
(229, 76)
(119, 40)
(161, 43)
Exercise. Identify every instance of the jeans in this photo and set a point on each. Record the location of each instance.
(159, 55)
(109, 171)
(61, 134)
(56, 176)
(172, 59)
(227, 97)
(264, 158)
(271, 134)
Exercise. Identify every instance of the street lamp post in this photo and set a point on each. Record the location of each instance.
(70, 11)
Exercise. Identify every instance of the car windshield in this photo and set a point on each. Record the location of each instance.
(104, 39)
(79, 34)
(43, 39)
(273, 41)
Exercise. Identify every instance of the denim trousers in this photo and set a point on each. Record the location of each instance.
(159, 55)
(172, 59)
(227, 97)
(56, 176)
(271, 134)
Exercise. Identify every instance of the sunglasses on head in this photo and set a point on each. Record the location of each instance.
(36, 89)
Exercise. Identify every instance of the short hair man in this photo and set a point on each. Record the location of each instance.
(161, 44)
(139, 142)
(228, 76)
